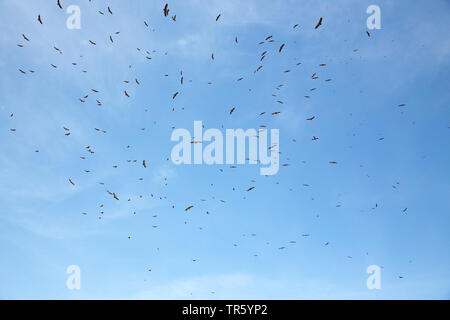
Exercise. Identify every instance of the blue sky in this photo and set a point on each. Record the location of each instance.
(42, 227)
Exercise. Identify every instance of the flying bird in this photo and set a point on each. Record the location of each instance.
(318, 23)
(166, 10)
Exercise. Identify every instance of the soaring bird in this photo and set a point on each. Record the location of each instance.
(318, 23)
(166, 10)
